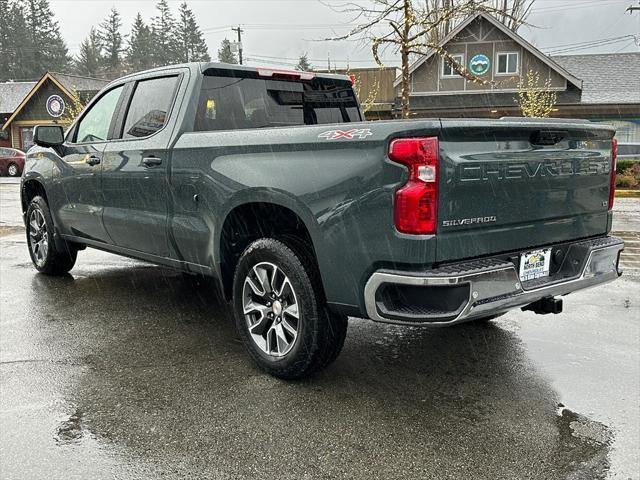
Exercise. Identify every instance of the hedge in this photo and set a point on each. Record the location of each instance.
(622, 165)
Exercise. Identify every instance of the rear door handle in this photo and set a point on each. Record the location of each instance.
(93, 160)
(152, 161)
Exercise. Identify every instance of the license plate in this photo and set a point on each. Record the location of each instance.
(535, 264)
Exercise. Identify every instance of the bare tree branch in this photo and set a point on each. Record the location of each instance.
(418, 28)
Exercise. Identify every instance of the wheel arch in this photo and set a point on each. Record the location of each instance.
(255, 215)
(31, 187)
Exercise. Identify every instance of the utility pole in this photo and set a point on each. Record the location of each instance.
(239, 31)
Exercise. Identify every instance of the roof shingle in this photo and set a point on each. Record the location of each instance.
(79, 83)
(606, 78)
(12, 93)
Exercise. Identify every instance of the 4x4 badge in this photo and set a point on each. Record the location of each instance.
(360, 133)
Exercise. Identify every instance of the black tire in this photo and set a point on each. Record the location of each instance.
(46, 257)
(13, 170)
(320, 333)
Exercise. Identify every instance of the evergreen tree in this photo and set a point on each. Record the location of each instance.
(163, 33)
(89, 61)
(47, 49)
(111, 42)
(22, 46)
(192, 47)
(7, 48)
(225, 55)
(140, 46)
(303, 64)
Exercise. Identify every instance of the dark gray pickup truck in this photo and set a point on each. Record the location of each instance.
(271, 182)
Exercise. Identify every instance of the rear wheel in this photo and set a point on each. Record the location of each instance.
(280, 310)
(45, 254)
(13, 170)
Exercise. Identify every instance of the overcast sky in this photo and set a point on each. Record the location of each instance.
(284, 29)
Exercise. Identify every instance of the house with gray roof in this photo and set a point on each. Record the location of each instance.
(601, 88)
(26, 104)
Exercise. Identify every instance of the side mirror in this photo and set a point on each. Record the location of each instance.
(48, 135)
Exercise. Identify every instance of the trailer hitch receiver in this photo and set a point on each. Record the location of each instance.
(545, 306)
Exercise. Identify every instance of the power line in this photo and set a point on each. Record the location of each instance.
(590, 45)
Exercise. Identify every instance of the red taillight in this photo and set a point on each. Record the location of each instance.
(614, 157)
(416, 206)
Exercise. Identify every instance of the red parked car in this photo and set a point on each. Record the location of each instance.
(11, 162)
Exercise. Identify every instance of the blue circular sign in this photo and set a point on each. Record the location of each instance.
(55, 106)
(479, 64)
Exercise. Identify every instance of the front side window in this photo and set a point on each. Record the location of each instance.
(229, 103)
(447, 68)
(149, 107)
(94, 125)
(507, 63)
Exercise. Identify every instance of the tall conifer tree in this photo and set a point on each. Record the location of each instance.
(163, 33)
(112, 44)
(140, 46)
(192, 47)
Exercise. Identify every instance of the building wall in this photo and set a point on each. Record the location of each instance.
(480, 37)
(36, 108)
(375, 90)
(35, 113)
(5, 136)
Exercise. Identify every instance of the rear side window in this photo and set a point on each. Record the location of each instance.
(149, 107)
(229, 103)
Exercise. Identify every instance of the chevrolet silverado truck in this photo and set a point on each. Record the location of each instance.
(271, 182)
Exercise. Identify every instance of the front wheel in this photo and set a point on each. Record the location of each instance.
(280, 312)
(13, 170)
(45, 254)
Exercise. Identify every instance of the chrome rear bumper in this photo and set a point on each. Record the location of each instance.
(486, 287)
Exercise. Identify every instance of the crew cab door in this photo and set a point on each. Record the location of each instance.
(135, 168)
(77, 203)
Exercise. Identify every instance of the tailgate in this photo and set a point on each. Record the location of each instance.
(514, 184)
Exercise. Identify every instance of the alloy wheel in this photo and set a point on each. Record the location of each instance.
(13, 170)
(270, 308)
(38, 238)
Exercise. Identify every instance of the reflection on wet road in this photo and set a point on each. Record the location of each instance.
(125, 369)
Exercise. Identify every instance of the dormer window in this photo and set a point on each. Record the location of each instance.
(447, 68)
(507, 63)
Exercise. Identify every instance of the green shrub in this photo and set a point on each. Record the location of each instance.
(630, 177)
(622, 165)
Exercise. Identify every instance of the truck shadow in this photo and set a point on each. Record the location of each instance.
(167, 379)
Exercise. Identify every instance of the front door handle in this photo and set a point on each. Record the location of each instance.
(93, 160)
(152, 161)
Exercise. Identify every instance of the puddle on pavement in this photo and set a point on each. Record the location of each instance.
(585, 441)
(71, 430)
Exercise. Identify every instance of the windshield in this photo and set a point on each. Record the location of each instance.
(228, 103)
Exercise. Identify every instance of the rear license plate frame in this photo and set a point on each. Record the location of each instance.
(534, 264)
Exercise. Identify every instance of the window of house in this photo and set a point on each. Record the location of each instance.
(507, 63)
(149, 107)
(447, 69)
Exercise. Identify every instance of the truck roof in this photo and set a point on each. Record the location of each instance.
(204, 66)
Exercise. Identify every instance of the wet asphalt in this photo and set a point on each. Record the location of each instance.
(125, 370)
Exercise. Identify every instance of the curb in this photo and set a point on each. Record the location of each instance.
(627, 193)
